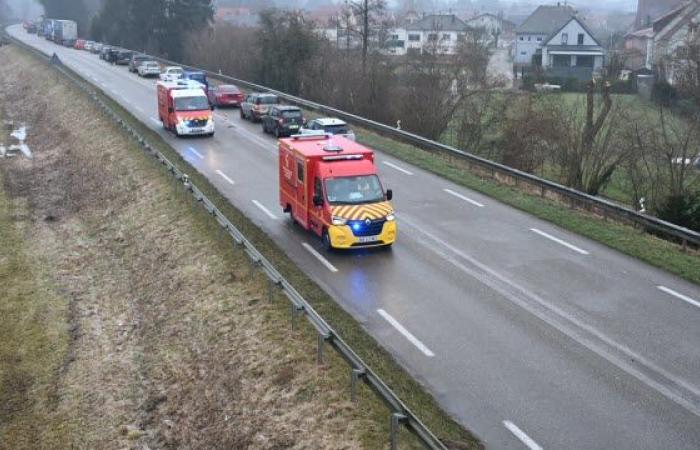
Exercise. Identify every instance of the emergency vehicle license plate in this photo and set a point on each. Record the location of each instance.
(293, 127)
(368, 239)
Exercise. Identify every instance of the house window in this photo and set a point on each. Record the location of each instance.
(561, 60)
(432, 37)
(580, 39)
(446, 37)
(564, 38)
(523, 53)
(394, 37)
(522, 38)
(539, 38)
(584, 61)
(461, 37)
(414, 37)
(529, 38)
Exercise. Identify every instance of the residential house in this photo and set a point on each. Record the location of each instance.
(672, 33)
(556, 39)
(496, 27)
(435, 33)
(650, 10)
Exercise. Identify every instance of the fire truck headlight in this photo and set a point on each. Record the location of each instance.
(339, 221)
(391, 217)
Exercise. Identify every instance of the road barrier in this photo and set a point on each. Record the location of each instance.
(484, 167)
(400, 414)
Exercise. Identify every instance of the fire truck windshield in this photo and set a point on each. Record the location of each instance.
(191, 103)
(354, 190)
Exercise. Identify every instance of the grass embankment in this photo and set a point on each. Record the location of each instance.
(172, 342)
(626, 239)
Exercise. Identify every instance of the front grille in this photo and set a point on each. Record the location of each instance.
(198, 122)
(361, 229)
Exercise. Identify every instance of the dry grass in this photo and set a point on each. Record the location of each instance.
(127, 324)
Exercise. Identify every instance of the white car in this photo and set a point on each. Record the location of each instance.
(89, 45)
(328, 125)
(149, 69)
(172, 73)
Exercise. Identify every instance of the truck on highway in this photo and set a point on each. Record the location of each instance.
(64, 31)
(183, 110)
(330, 186)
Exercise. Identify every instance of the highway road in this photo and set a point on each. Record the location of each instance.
(531, 336)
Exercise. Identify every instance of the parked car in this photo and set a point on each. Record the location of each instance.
(225, 95)
(88, 45)
(283, 121)
(69, 42)
(79, 44)
(328, 125)
(96, 48)
(257, 105)
(172, 73)
(148, 69)
(124, 57)
(31, 28)
(136, 61)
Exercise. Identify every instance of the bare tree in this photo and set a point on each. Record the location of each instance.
(370, 14)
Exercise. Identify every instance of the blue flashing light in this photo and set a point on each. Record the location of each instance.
(356, 226)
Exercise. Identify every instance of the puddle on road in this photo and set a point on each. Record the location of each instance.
(20, 134)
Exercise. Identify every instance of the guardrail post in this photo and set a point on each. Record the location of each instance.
(322, 338)
(295, 310)
(355, 375)
(396, 420)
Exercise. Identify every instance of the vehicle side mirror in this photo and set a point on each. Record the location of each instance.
(318, 200)
(389, 194)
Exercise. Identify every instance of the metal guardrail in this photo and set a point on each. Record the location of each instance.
(360, 371)
(575, 199)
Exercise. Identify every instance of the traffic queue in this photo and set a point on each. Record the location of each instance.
(328, 183)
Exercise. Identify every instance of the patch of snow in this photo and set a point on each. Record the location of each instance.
(20, 134)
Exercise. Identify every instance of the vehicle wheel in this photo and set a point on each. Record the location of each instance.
(326, 240)
(277, 132)
(242, 115)
(264, 128)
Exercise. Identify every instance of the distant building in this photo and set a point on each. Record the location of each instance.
(496, 27)
(556, 39)
(240, 16)
(650, 10)
(434, 33)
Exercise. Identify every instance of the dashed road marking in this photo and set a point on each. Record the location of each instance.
(265, 210)
(196, 153)
(559, 241)
(679, 296)
(225, 177)
(320, 257)
(520, 434)
(462, 197)
(407, 334)
(395, 167)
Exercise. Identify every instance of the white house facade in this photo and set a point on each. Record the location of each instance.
(437, 33)
(556, 39)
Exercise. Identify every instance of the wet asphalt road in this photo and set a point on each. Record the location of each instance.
(528, 334)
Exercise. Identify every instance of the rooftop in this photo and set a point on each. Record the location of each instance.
(547, 19)
(438, 22)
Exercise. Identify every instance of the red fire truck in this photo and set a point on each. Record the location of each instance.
(329, 185)
(184, 110)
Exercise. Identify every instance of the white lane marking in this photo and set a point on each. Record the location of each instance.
(679, 296)
(394, 166)
(265, 210)
(520, 434)
(407, 334)
(320, 257)
(466, 199)
(559, 241)
(156, 121)
(223, 175)
(197, 154)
